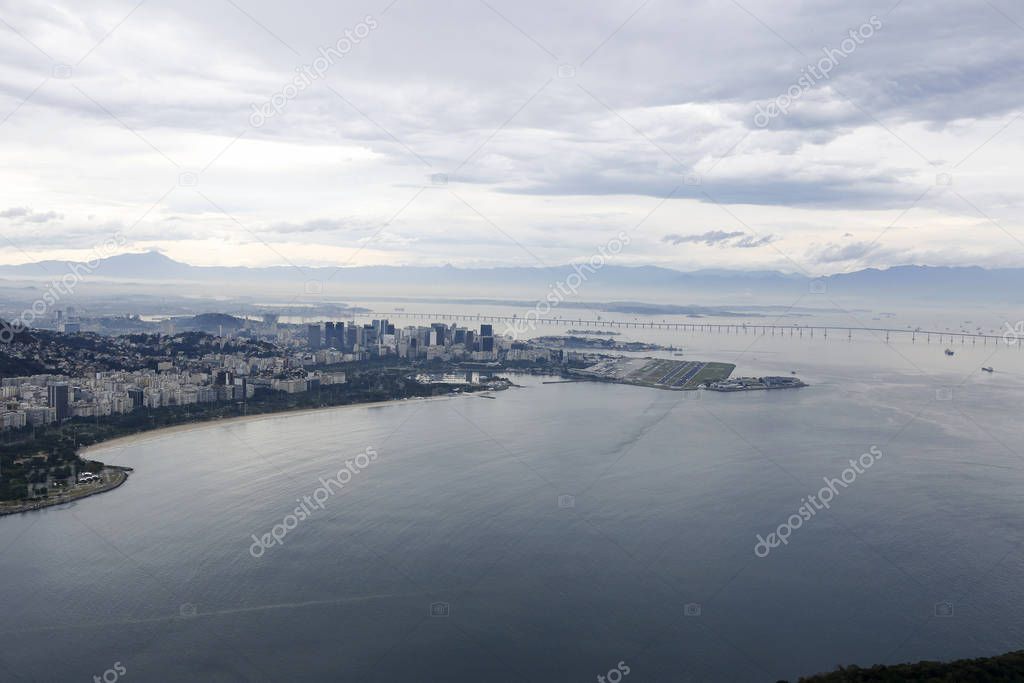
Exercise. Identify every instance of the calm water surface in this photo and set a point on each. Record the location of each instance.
(650, 563)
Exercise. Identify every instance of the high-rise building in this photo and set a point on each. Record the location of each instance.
(486, 337)
(329, 335)
(57, 398)
(442, 333)
(313, 336)
(137, 397)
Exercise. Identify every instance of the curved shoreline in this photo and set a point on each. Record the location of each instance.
(163, 432)
(151, 434)
(121, 476)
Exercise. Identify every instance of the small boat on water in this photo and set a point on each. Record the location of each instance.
(949, 352)
(988, 369)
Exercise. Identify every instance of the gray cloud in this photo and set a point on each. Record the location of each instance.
(721, 238)
(45, 217)
(323, 225)
(529, 150)
(750, 242)
(838, 253)
(710, 238)
(22, 214)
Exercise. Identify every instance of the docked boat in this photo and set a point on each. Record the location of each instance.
(949, 352)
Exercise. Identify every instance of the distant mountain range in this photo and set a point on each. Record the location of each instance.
(904, 283)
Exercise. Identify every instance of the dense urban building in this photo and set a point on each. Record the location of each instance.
(186, 379)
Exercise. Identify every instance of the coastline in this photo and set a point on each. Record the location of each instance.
(118, 476)
(162, 432)
(120, 473)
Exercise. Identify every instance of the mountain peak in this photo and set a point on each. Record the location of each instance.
(151, 256)
(150, 263)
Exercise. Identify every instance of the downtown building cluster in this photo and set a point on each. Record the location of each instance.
(380, 338)
(298, 365)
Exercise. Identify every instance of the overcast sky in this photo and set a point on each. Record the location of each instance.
(521, 132)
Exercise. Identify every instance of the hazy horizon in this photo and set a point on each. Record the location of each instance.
(152, 251)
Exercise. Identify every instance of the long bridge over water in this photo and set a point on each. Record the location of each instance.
(826, 331)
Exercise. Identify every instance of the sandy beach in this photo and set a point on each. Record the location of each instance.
(122, 442)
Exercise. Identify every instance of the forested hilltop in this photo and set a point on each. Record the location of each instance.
(1008, 667)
